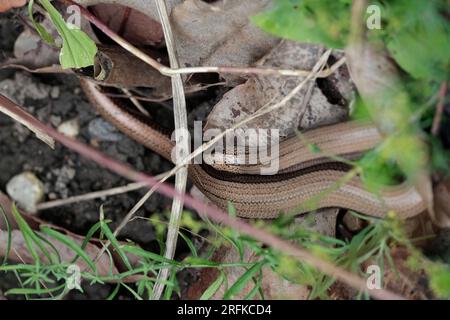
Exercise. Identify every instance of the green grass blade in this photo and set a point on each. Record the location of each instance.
(71, 244)
(242, 281)
(8, 229)
(212, 289)
(29, 236)
(43, 33)
(29, 291)
(110, 236)
(189, 244)
(114, 293)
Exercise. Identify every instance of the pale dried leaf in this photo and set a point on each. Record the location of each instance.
(220, 33)
(131, 24)
(32, 53)
(301, 111)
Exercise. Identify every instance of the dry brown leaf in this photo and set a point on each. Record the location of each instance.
(145, 6)
(134, 26)
(33, 54)
(209, 34)
(220, 33)
(5, 5)
(303, 111)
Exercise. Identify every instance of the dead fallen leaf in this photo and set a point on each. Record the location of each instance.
(207, 34)
(311, 107)
(146, 7)
(33, 54)
(131, 24)
(5, 5)
(219, 33)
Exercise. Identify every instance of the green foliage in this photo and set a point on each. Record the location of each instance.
(418, 37)
(78, 50)
(373, 242)
(409, 30)
(324, 21)
(43, 33)
(440, 280)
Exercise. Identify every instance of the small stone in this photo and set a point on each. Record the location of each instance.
(52, 196)
(26, 189)
(55, 120)
(100, 129)
(70, 128)
(54, 92)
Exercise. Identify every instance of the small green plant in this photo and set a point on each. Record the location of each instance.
(78, 50)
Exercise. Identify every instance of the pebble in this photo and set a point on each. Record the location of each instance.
(102, 130)
(54, 92)
(26, 189)
(55, 120)
(70, 128)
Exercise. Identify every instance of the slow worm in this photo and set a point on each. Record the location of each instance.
(303, 174)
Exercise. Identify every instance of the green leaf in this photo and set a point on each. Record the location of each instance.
(110, 236)
(240, 283)
(71, 244)
(114, 292)
(38, 291)
(30, 236)
(419, 38)
(190, 244)
(43, 33)
(148, 255)
(170, 285)
(440, 281)
(8, 229)
(213, 287)
(78, 50)
(324, 21)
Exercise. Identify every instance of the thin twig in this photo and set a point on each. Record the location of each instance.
(439, 109)
(211, 212)
(135, 101)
